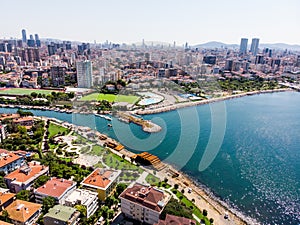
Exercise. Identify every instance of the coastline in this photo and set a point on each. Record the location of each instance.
(203, 102)
(216, 203)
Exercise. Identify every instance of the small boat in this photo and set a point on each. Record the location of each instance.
(109, 125)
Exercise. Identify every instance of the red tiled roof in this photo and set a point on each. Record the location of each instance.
(176, 220)
(98, 180)
(20, 210)
(146, 196)
(55, 187)
(5, 223)
(4, 197)
(7, 157)
(22, 176)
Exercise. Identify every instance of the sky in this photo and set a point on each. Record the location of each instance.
(130, 21)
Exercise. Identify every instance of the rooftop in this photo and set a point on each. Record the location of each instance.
(7, 157)
(4, 197)
(21, 210)
(55, 187)
(101, 178)
(146, 196)
(60, 212)
(176, 220)
(26, 172)
(81, 196)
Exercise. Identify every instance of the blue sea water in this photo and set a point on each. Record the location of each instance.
(250, 147)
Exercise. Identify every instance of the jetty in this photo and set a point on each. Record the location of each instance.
(148, 159)
(146, 125)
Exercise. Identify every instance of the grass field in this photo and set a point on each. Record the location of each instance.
(110, 97)
(55, 129)
(24, 91)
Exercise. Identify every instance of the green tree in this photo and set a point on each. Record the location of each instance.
(48, 203)
(82, 210)
(5, 216)
(23, 195)
(41, 181)
(2, 182)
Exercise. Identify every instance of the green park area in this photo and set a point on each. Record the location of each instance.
(110, 97)
(55, 129)
(24, 91)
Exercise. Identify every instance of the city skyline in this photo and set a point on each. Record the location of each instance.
(191, 21)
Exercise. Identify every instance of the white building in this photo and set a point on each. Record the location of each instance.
(84, 74)
(83, 197)
(143, 203)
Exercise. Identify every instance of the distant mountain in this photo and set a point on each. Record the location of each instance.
(215, 44)
(282, 46)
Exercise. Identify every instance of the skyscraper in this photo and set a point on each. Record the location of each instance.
(37, 40)
(254, 46)
(24, 39)
(84, 74)
(243, 45)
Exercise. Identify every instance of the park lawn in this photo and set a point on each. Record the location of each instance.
(97, 150)
(24, 91)
(110, 97)
(151, 179)
(116, 162)
(188, 203)
(55, 129)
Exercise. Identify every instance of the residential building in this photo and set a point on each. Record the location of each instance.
(84, 74)
(176, 220)
(6, 199)
(57, 188)
(24, 177)
(23, 212)
(243, 45)
(9, 161)
(3, 132)
(254, 46)
(103, 181)
(26, 121)
(143, 203)
(58, 74)
(83, 197)
(61, 215)
(5, 223)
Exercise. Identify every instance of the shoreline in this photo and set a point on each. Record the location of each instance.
(204, 102)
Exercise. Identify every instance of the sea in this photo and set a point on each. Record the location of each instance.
(243, 151)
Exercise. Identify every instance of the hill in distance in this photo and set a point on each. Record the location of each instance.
(216, 44)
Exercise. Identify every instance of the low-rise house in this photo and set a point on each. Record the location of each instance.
(61, 215)
(6, 199)
(24, 177)
(87, 198)
(9, 161)
(23, 212)
(57, 188)
(176, 220)
(102, 181)
(5, 223)
(26, 121)
(143, 203)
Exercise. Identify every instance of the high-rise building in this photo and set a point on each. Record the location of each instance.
(243, 45)
(37, 40)
(298, 61)
(58, 75)
(31, 37)
(254, 46)
(24, 38)
(84, 74)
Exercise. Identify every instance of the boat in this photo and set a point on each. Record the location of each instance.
(109, 125)
(105, 117)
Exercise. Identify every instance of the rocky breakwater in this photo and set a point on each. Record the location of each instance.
(147, 125)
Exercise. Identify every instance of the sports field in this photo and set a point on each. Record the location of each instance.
(24, 91)
(110, 97)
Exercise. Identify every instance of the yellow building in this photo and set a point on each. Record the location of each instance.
(102, 181)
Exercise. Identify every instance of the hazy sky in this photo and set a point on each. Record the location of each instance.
(127, 21)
